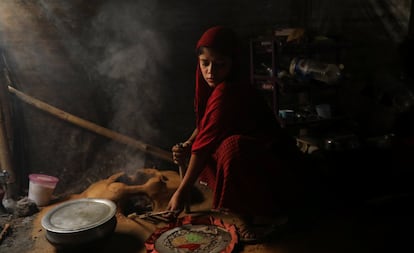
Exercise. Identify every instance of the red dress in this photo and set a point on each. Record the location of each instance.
(252, 161)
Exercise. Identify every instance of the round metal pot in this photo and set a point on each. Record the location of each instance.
(79, 222)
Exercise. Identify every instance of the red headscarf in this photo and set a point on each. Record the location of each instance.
(224, 41)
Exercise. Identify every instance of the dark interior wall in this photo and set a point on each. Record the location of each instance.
(129, 66)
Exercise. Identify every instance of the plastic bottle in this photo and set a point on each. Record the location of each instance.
(311, 69)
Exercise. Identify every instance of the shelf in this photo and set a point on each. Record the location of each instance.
(312, 122)
(262, 77)
(275, 54)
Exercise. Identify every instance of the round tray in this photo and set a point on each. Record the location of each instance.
(196, 238)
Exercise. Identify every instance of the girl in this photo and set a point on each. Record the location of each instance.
(237, 148)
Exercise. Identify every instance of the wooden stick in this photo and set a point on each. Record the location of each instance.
(165, 155)
(4, 232)
(181, 171)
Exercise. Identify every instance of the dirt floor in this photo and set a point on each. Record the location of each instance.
(18, 237)
(381, 225)
(26, 234)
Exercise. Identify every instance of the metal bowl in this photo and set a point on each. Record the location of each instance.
(80, 221)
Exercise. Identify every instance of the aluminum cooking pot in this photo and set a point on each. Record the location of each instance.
(79, 222)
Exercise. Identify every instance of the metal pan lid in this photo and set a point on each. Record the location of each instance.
(78, 215)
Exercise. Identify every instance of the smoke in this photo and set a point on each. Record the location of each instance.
(132, 54)
(121, 50)
(103, 60)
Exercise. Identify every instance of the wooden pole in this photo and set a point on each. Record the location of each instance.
(6, 108)
(6, 131)
(6, 164)
(5, 161)
(155, 151)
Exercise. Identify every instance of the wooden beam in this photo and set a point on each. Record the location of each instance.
(155, 151)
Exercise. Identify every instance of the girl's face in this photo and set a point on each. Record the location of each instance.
(214, 66)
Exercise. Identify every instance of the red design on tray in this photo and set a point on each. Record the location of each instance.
(200, 234)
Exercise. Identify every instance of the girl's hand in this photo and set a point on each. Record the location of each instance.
(177, 202)
(181, 153)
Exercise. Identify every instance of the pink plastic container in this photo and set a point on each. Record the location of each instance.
(41, 188)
